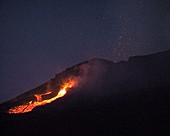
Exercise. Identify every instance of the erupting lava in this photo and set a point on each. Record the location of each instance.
(39, 100)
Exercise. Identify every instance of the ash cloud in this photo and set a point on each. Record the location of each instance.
(92, 73)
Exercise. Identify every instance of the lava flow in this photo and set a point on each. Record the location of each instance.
(39, 100)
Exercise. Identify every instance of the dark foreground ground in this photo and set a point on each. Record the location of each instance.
(136, 113)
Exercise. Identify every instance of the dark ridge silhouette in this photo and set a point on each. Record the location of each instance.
(124, 98)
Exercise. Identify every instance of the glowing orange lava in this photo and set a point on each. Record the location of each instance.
(39, 100)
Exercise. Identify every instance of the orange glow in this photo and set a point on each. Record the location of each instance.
(39, 100)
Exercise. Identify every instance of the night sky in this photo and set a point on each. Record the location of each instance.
(39, 38)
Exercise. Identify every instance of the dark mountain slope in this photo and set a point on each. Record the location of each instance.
(125, 98)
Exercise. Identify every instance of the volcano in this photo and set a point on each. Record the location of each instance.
(96, 97)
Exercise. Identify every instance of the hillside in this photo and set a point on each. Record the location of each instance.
(124, 98)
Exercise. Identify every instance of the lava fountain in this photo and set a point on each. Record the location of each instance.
(39, 100)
